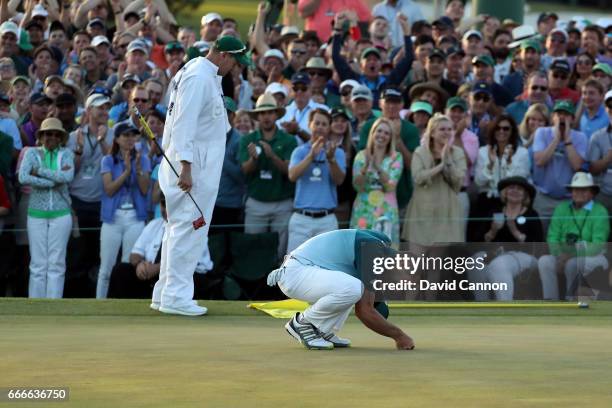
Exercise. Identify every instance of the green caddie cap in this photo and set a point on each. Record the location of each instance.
(485, 59)
(370, 50)
(235, 48)
(603, 67)
(564, 105)
(531, 43)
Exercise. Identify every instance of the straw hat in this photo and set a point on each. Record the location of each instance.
(583, 180)
(266, 103)
(52, 124)
(418, 90)
(318, 64)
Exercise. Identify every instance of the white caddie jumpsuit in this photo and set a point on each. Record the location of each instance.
(195, 131)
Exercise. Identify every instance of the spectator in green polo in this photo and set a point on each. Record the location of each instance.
(391, 104)
(264, 157)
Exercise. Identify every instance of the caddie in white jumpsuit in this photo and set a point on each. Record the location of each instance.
(324, 271)
(194, 141)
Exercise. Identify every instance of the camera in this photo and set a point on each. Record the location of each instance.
(571, 238)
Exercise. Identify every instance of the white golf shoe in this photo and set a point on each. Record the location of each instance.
(307, 334)
(154, 306)
(337, 341)
(190, 309)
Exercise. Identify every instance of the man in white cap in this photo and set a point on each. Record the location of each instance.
(577, 239)
(556, 47)
(211, 27)
(194, 142)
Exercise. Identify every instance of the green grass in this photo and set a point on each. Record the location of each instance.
(119, 353)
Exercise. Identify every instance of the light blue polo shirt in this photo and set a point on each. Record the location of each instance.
(552, 178)
(600, 120)
(315, 189)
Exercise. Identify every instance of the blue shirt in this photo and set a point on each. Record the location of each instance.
(9, 126)
(129, 191)
(315, 189)
(552, 178)
(514, 83)
(588, 125)
(232, 186)
(339, 250)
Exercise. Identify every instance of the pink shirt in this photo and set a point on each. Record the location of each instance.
(321, 20)
(470, 146)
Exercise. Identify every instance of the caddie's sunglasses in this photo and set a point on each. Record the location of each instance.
(539, 88)
(482, 97)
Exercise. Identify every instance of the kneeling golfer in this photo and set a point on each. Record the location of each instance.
(324, 271)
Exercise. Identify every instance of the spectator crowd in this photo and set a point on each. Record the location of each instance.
(461, 129)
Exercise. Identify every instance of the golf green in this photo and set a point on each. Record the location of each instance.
(121, 354)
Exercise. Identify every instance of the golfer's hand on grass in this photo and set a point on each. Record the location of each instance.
(184, 182)
(404, 342)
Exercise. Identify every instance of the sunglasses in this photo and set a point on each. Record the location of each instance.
(539, 88)
(52, 134)
(317, 73)
(503, 128)
(298, 52)
(558, 40)
(482, 97)
(300, 88)
(139, 100)
(558, 75)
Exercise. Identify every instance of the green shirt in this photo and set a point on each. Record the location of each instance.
(267, 183)
(410, 136)
(588, 225)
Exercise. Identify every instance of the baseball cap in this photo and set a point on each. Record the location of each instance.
(65, 99)
(339, 111)
(39, 11)
(96, 21)
(137, 45)
(21, 78)
(174, 46)
(481, 87)
(559, 31)
(391, 93)
(361, 92)
(608, 96)
(235, 48)
(603, 67)
(531, 43)
(274, 53)
(100, 39)
(455, 50)
(130, 78)
(370, 50)
(444, 22)
(457, 102)
(290, 30)
(210, 17)
(484, 59)
(471, 33)
(33, 23)
(436, 52)
(123, 128)
(349, 82)
(277, 87)
(564, 105)
(54, 78)
(546, 16)
(97, 100)
(9, 27)
(300, 78)
(560, 65)
(421, 106)
(39, 97)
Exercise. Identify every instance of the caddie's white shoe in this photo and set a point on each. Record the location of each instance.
(154, 306)
(191, 309)
(337, 341)
(307, 334)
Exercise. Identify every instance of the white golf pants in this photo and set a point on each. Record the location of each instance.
(331, 294)
(48, 238)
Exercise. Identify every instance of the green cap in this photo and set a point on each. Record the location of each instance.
(192, 52)
(485, 59)
(421, 106)
(564, 105)
(370, 50)
(230, 105)
(24, 41)
(457, 102)
(531, 43)
(174, 46)
(603, 67)
(235, 48)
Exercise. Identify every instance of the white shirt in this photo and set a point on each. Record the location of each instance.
(487, 180)
(300, 116)
(149, 243)
(389, 12)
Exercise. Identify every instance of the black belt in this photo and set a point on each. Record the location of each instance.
(315, 214)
